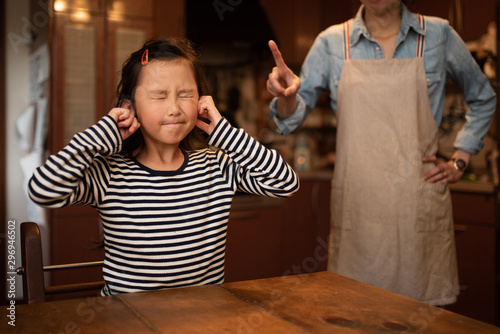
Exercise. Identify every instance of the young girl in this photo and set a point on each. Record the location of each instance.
(164, 201)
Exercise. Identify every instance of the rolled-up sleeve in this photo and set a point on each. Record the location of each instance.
(478, 93)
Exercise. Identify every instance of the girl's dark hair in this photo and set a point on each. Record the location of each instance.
(169, 49)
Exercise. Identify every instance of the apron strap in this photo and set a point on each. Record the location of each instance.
(421, 38)
(347, 39)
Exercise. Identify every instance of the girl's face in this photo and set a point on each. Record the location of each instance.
(166, 101)
(381, 7)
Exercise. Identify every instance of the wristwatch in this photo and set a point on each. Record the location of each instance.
(459, 164)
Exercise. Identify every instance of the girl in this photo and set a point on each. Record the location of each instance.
(164, 201)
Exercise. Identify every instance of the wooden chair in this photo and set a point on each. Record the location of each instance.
(32, 269)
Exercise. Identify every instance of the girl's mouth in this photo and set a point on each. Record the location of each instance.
(173, 123)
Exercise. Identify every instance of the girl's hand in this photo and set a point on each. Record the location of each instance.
(124, 116)
(207, 109)
(443, 172)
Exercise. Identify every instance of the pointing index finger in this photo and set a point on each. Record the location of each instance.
(280, 63)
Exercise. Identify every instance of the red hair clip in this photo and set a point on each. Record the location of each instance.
(144, 58)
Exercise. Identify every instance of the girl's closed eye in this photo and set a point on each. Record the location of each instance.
(157, 95)
(186, 94)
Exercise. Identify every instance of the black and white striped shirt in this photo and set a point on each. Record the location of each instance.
(162, 229)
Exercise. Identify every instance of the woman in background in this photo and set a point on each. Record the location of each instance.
(385, 71)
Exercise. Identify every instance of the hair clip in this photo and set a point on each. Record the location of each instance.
(144, 58)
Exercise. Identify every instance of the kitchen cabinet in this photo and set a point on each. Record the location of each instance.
(296, 23)
(476, 17)
(90, 43)
(469, 18)
(78, 97)
(307, 225)
(279, 236)
(170, 18)
(476, 236)
(254, 242)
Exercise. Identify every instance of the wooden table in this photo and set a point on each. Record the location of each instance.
(313, 303)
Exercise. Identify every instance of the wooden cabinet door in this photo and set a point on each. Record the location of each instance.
(288, 238)
(477, 254)
(130, 9)
(469, 18)
(254, 244)
(477, 15)
(78, 71)
(306, 227)
(124, 37)
(295, 24)
(77, 102)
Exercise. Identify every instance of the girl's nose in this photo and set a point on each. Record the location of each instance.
(173, 109)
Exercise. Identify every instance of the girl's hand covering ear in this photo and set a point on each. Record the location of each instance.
(207, 110)
(124, 116)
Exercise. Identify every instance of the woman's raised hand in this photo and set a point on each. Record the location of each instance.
(282, 82)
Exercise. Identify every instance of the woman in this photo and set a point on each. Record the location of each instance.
(385, 71)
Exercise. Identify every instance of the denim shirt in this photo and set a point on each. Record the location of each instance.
(445, 56)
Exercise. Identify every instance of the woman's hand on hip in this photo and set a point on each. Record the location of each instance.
(443, 172)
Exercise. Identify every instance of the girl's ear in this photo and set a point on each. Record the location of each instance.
(126, 104)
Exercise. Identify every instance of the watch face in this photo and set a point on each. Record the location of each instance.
(460, 164)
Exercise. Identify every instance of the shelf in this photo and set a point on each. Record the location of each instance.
(473, 187)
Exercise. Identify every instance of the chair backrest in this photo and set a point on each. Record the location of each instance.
(32, 264)
(32, 270)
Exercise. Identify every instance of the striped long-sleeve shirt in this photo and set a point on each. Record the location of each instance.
(162, 229)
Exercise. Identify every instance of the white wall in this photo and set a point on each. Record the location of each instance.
(18, 21)
(17, 100)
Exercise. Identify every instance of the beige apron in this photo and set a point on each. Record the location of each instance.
(390, 228)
